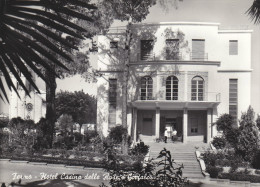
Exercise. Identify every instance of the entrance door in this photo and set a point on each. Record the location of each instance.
(147, 126)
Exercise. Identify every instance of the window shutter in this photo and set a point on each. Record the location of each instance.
(198, 49)
(233, 47)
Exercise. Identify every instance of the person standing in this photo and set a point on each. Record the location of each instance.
(174, 134)
(165, 135)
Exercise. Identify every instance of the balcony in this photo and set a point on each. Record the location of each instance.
(184, 100)
(174, 56)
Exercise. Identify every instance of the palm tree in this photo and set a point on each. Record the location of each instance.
(254, 11)
(25, 29)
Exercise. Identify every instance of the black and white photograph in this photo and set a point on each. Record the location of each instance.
(134, 93)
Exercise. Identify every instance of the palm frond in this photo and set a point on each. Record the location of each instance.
(31, 31)
(254, 11)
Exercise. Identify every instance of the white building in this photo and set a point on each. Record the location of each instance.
(182, 74)
(27, 107)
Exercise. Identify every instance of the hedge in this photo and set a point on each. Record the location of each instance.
(240, 177)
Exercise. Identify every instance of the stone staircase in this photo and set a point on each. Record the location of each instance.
(182, 154)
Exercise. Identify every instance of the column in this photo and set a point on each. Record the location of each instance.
(185, 86)
(129, 119)
(134, 123)
(157, 123)
(185, 125)
(209, 123)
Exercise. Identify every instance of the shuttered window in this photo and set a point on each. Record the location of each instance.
(146, 88)
(112, 102)
(233, 47)
(147, 49)
(198, 49)
(172, 49)
(233, 98)
(172, 88)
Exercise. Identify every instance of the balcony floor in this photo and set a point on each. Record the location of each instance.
(173, 105)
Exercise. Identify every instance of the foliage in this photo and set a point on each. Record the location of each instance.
(219, 142)
(254, 11)
(4, 122)
(65, 124)
(140, 149)
(248, 138)
(23, 23)
(43, 135)
(256, 160)
(225, 122)
(240, 177)
(258, 122)
(223, 158)
(214, 171)
(168, 173)
(81, 106)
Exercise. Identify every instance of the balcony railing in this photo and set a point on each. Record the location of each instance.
(182, 97)
(170, 57)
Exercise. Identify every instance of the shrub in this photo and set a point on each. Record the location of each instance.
(219, 142)
(116, 134)
(168, 172)
(248, 141)
(240, 177)
(258, 122)
(225, 122)
(256, 160)
(213, 171)
(140, 149)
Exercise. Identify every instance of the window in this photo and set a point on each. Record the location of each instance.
(112, 102)
(197, 89)
(194, 125)
(113, 45)
(147, 50)
(233, 98)
(172, 49)
(146, 88)
(198, 49)
(233, 47)
(172, 88)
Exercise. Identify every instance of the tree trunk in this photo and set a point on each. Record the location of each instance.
(50, 103)
(124, 88)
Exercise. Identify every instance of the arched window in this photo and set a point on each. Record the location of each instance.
(146, 88)
(197, 89)
(172, 88)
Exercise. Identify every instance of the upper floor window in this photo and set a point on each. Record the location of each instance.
(198, 49)
(172, 49)
(233, 47)
(113, 45)
(147, 49)
(146, 88)
(197, 89)
(172, 88)
(112, 102)
(233, 98)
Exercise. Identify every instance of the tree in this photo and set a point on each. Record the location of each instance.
(254, 11)
(65, 124)
(81, 106)
(23, 37)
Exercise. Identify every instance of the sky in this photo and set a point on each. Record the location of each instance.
(231, 14)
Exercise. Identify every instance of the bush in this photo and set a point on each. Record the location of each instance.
(225, 122)
(248, 140)
(116, 134)
(213, 171)
(256, 160)
(140, 149)
(240, 177)
(219, 142)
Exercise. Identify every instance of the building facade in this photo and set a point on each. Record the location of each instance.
(31, 107)
(181, 75)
